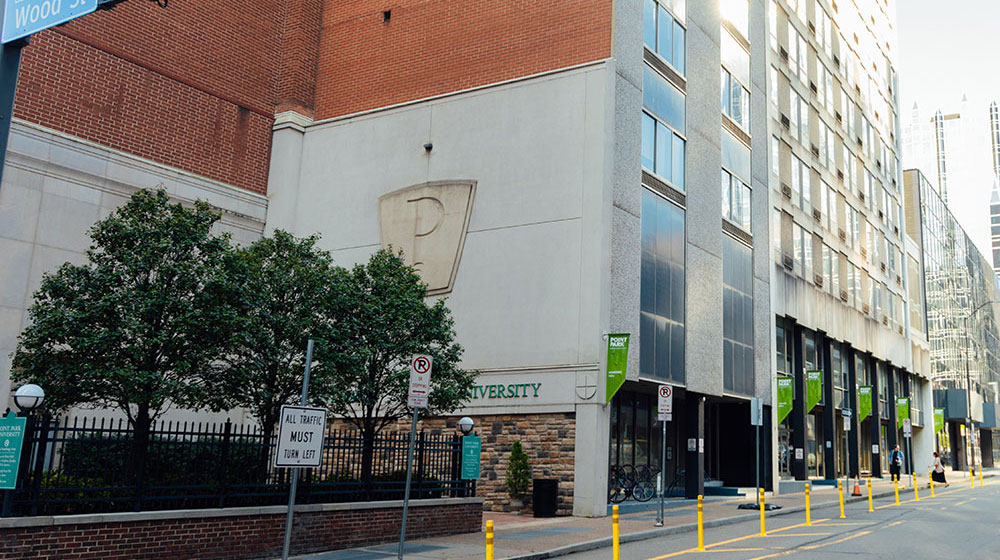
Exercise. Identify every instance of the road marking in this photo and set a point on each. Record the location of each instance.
(738, 549)
(893, 524)
(729, 541)
(838, 541)
(800, 535)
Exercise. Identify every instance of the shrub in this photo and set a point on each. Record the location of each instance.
(518, 471)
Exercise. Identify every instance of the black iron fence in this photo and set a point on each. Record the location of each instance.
(80, 465)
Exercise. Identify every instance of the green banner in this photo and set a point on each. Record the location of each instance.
(617, 363)
(902, 410)
(938, 420)
(814, 388)
(11, 437)
(786, 396)
(472, 448)
(864, 402)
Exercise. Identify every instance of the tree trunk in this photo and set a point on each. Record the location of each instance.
(367, 460)
(140, 448)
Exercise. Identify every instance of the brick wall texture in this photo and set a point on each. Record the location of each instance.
(430, 47)
(232, 538)
(548, 440)
(194, 86)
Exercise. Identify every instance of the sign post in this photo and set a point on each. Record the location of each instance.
(300, 443)
(907, 434)
(420, 388)
(757, 419)
(665, 413)
(472, 448)
(11, 441)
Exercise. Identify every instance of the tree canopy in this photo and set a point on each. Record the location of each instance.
(142, 325)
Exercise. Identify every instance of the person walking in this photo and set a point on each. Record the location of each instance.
(938, 474)
(895, 463)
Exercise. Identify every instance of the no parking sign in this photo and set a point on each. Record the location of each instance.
(665, 403)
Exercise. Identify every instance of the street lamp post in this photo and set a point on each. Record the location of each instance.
(968, 387)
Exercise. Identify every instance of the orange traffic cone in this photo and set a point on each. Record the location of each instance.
(857, 488)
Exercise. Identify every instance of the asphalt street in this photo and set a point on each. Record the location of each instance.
(959, 522)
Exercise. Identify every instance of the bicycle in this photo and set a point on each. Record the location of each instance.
(626, 481)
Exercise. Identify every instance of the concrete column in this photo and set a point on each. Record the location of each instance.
(695, 464)
(829, 436)
(798, 414)
(875, 418)
(853, 436)
(590, 471)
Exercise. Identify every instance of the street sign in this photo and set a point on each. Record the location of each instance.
(907, 427)
(472, 447)
(847, 413)
(756, 411)
(300, 436)
(665, 403)
(847, 423)
(420, 380)
(11, 439)
(24, 17)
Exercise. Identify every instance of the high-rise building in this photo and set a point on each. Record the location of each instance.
(995, 190)
(839, 289)
(558, 184)
(962, 314)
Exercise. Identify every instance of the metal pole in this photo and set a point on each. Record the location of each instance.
(757, 466)
(968, 398)
(10, 63)
(295, 470)
(409, 473)
(663, 470)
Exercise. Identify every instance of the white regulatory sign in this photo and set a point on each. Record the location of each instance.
(665, 403)
(300, 436)
(420, 380)
(907, 428)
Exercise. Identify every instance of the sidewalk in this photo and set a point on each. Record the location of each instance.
(521, 537)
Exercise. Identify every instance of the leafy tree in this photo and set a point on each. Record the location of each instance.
(382, 320)
(144, 324)
(288, 290)
(518, 471)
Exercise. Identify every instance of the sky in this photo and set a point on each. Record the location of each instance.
(947, 50)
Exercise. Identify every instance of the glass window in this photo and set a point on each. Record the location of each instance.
(662, 99)
(735, 100)
(662, 151)
(735, 58)
(735, 201)
(735, 156)
(737, 316)
(737, 12)
(662, 33)
(662, 291)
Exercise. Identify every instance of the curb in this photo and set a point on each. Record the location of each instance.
(605, 542)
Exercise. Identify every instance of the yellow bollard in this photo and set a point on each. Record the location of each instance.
(763, 532)
(980, 475)
(895, 484)
(489, 540)
(701, 529)
(615, 547)
(930, 475)
(916, 492)
(871, 505)
(808, 514)
(840, 496)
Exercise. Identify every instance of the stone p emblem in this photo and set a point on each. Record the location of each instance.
(428, 223)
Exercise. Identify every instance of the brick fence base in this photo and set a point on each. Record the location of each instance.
(232, 533)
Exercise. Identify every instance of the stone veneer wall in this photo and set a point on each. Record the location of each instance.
(548, 439)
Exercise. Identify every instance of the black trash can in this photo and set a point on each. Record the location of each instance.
(545, 497)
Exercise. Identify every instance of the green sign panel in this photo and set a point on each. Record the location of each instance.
(864, 402)
(472, 447)
(902, 410)
(11, 438)
(617, 363)
(814, 388)
(786, 395)
(938, 420)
